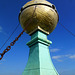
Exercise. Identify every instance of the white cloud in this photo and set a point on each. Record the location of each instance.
(59, 57)
(67, 55)
(56, 57)
(72, 56)
(54, 50)
(0, 29)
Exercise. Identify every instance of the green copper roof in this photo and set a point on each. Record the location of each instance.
(39, 61)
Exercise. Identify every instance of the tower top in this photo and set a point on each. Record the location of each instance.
(38, 13)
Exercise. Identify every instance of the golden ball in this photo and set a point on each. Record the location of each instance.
(38, 13)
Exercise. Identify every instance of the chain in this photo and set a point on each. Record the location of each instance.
(16, 39)
(11, 44)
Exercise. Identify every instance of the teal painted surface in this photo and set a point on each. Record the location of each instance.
(39, 61)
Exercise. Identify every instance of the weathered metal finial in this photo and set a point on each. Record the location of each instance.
(39, 18)
(45, 16)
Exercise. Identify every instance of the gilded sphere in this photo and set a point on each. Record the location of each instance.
(38, 13)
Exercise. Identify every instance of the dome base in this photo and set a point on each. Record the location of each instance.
(40, 29)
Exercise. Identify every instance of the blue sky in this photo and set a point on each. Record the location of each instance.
(62, 48)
